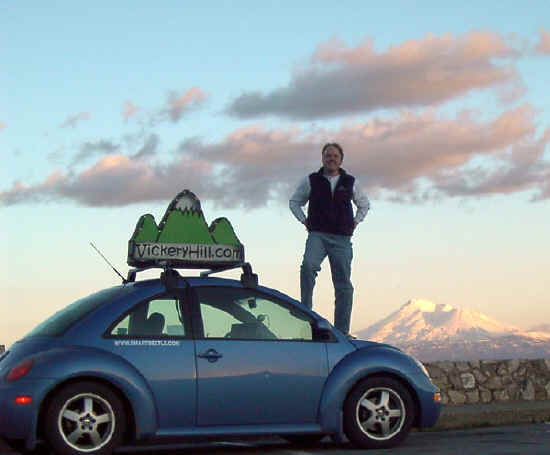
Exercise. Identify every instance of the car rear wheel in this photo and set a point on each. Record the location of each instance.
(85, 418)
(378, 413)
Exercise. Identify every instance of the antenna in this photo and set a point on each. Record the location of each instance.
(112, 266)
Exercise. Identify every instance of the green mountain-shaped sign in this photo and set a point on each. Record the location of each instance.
(183, 239)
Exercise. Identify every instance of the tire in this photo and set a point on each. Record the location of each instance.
(85, 418)
(378, 413)
(303, 439)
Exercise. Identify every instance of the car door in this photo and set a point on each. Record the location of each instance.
(155, 337)
(257, 361)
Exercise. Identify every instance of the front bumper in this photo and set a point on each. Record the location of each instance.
(429, 406)
(20, 421)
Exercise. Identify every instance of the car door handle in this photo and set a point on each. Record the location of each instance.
(211, 355)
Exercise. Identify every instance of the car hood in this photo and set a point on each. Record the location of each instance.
(363, 344)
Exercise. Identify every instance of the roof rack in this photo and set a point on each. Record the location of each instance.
(248, 278)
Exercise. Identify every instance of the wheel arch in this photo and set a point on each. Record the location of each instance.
(76, 364)
(399, 378)
(128, 408)
(357, 366)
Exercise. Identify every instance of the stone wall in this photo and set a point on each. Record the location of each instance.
(489, 381)
(2, 348)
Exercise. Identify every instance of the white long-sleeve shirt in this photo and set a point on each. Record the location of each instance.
(301, 196)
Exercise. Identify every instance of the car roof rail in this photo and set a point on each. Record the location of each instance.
(249, 279)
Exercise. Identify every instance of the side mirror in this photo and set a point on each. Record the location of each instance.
(322, 331)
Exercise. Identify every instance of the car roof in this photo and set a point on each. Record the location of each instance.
(197, 281)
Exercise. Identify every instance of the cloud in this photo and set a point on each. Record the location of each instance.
(129, 110)
(412, 156)
(115, 180)
(90, 149)
(73, 120)
(543, 46)
(177, 105)
(149, 147)
(3, 125)
(341, 80)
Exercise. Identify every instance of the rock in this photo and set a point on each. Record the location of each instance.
(472, 396)
(468, 380)
(494, 383)
(442, 383)
(513, 391)
(512, 365)
(506, 380)
(486, 396)
(476, 363)
(457, 397)
(480, 377)
(547, 363)
(528, 393)
(502, 369)
(435, 371)
(446, 366)
(501, 395)
(462, 366)
(456, 381)
(547, 387)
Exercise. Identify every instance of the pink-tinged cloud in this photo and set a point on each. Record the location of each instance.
(177, 105)
(114, 180)
(409, 157)
(93, 148)
(543, 45)
(341, 80)
(73, 120)
(129, 110)
(3, 125)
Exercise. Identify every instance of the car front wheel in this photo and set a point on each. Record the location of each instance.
(378, 413)
(85, 418)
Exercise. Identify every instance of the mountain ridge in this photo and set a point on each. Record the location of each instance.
(433, 331)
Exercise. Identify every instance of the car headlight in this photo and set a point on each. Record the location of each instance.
(421, 366)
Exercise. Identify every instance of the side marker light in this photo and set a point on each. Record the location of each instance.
(437, 397)
(23, 399)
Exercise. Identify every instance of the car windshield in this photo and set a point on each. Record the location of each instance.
(59, 322)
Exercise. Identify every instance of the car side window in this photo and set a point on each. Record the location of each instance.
(160, 317)
(245, 314)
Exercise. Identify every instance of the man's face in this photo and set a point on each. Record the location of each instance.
(332, 159)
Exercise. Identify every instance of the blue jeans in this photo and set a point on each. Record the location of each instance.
(339, 251)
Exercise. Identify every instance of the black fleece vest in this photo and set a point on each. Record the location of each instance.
(330, 213)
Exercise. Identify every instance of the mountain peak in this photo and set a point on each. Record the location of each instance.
(420, 320)
(426, 306)
(419, 304)
(433, 331)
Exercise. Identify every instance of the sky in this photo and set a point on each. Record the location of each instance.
(108, 111)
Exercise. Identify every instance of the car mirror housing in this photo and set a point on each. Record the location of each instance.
(323, 331)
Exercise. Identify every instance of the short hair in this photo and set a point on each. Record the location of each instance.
(336, 146)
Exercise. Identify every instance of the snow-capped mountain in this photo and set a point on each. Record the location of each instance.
(433, 331)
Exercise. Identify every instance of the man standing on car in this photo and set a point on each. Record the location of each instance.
(330, 223)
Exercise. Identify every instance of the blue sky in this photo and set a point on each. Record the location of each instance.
(107, 112)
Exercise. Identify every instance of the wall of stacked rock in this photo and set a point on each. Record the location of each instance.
(488, 381)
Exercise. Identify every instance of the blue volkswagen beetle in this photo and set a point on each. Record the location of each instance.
(179, 357)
